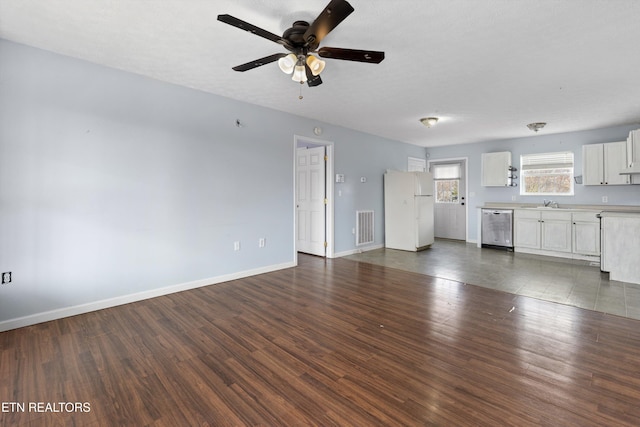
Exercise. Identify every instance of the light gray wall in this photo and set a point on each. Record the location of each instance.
(113, 184)
(589, 195)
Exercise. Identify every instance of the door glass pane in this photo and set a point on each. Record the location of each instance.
(447, 190)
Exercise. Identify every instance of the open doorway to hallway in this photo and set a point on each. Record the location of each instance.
(313, 197)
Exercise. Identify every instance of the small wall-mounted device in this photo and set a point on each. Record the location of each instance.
(363, 179)
(6, 277)
(339, 177)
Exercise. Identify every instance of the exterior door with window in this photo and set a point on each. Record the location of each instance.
(450, 213)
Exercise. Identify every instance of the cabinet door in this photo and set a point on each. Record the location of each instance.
(633, 152)
(593, 164)
(556, 235)
(556, 230)
(526, 233)
(495, 169)
(615, 160)
(586, 238)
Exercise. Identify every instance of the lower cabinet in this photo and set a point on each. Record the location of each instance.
(557, 233)
(586, 233)
(526, 229)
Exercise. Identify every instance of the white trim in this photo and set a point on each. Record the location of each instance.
(60, 313)
(329, 188)
(570, 255)
(357, 251)
(466, 187)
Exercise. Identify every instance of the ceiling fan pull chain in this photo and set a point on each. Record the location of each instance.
(300, 96)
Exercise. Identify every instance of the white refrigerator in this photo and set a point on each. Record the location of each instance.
(408, 210)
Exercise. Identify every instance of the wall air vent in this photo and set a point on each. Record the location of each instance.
(364, 227)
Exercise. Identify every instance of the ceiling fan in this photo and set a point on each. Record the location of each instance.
(303, 40)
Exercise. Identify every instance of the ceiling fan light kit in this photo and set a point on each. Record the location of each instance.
(303, 39)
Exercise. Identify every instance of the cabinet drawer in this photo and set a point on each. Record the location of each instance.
(556, 216)
(585, 217)
(526, 213)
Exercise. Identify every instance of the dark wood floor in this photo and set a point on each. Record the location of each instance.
(331, 342)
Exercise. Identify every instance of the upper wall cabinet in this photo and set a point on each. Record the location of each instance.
(496, 169)
(602, 163)
(633, 153)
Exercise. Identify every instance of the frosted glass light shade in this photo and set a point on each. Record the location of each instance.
(286, 63)
(299, 74)
(316, 65)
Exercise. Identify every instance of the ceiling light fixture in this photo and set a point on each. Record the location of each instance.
(297, 66)
(429, 121)
(536, 126)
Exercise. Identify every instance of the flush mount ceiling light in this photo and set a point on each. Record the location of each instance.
(429, 121)
(536, 126)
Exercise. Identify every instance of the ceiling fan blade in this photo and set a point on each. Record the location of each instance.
(312, 80)
(259, 62)
(332, 15)
(370, 56)
(239, 23)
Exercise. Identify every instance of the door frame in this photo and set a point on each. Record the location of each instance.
(302, 141)
(466, 186)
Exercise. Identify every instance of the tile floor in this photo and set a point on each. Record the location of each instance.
(565, 281)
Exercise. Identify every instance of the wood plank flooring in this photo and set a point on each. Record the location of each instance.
(330, 342)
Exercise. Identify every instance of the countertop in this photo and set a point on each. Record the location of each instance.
(603, 209)
(629, 213)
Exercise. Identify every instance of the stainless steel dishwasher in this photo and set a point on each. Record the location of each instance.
(497, 228)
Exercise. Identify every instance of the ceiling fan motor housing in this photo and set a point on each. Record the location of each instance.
(295, 37)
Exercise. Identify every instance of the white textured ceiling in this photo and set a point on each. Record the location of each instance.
(485, 67)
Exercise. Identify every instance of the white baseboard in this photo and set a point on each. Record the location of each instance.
(60, 313)
(357, 251)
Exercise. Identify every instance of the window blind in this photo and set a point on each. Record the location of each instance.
(446, 171)
(547, 160)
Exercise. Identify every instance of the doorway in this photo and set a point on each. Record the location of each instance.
(313, 214)
(450, 212)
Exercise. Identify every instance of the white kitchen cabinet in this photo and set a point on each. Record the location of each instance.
(633, 153)
(526, 229)
(495, 169)
(602, 163)
(557, 233)
(586, 233)
(544, 230)
(620, 249)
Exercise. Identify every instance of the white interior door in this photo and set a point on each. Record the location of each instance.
(310, 201)
(450, 213)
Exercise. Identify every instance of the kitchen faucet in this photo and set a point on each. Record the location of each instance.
(548, 203)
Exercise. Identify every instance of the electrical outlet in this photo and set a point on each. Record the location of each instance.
(605, 199)
(236, 246)
(513, 198)
(6, 277)
(262, 242)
